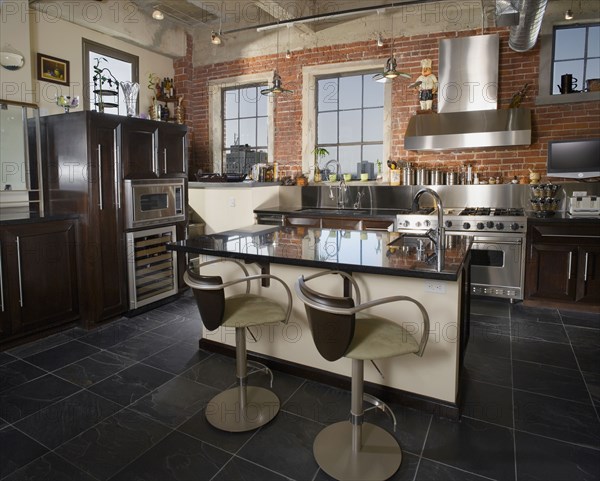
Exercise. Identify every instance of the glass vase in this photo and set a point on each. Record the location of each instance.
(130, 92)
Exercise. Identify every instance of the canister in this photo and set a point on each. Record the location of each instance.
(437, 177)
(451, 178)
(408, 176)
(423, 177)
(394, 176)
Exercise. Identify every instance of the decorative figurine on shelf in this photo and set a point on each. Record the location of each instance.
(179, 111)
(426, 84)
(67, 102)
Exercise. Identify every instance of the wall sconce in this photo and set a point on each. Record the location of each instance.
(158, 15)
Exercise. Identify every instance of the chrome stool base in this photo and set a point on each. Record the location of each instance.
(225, 412)
(378, 459)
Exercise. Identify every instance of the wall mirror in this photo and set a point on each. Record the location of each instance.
(20, 160)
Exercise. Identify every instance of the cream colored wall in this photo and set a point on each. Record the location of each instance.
(434, 375)
(225, 208)
(32, 32)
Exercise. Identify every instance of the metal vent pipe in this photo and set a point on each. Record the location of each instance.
(524, 35)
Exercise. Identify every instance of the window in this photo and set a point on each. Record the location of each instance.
(122, 65)
(576, 51)
(350, 113)
(245, 128)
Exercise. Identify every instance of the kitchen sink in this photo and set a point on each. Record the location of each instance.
(336, 212)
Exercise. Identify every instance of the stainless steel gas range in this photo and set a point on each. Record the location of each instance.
(498, 251)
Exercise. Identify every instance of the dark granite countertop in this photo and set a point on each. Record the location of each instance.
(7, 219)
(560, 216)
(385, 253)
(297, 211)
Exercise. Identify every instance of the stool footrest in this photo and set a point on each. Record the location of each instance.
(379, 404)
(259, 367)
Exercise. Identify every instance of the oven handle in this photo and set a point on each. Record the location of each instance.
(480, 240)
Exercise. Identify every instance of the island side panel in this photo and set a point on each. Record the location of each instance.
(434, 375)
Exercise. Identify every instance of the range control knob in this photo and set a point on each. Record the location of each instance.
(448, 223)
(427, 223)
(514, 226)
(418, 223)
(405, 223)
(466, 225)
(489, 224)
(480, 225)
(499, 226)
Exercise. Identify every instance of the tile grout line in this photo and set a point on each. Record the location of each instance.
(423, 448)
(579, 368)
(512, 391)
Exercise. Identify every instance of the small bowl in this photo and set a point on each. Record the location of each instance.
(347, 177)
(364, 176)
(332, 177)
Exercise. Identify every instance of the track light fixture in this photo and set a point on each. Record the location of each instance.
(215, 38)
(276, 87)
(569, 14)
(158, 15)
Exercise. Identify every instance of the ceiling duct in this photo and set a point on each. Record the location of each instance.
(524, 35)
(506, 14)
(467, 102)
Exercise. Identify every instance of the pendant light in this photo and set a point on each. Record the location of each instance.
(215, 38)
(277, 87)
(389, 71)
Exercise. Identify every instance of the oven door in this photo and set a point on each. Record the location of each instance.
(153, 202)
(497, 266)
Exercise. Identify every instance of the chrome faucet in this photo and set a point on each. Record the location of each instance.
(337, 166)
(342, 189)
(439, 234)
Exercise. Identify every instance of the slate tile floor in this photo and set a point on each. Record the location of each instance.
(126, 402)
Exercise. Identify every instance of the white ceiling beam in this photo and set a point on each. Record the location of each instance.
(280, 11)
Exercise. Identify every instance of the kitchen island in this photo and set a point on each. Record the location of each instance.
(384, 264)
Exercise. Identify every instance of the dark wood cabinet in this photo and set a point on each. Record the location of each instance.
(140, 150)
(563, 262)
(153, 149)
(172, 150)
(588, 279)
(87, 145)
(39, 277)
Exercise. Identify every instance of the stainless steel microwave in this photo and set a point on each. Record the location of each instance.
(154, 202)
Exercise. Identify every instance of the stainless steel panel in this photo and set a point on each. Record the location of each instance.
(468, 79)
(485, 128)
(509, 274)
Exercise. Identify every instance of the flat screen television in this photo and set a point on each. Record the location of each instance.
(574, 159)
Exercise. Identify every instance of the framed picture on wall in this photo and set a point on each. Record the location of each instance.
(52, 69)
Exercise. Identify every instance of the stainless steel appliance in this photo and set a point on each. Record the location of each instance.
(152, 269)
(154, 201)
(497, 254)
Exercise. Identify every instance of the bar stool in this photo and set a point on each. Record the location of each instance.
(243, 407)
(355, 450)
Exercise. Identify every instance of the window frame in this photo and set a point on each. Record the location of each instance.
(215, 110)
(89, 45)
(361, 143)
(310, 75)
(585, 58)
(238, 88)
(546, 61)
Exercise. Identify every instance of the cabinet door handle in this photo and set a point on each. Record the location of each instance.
(165, 160)
(570, 259)
(19, 271)
(184, 159)
(586, 267)
(117, 170)
(101, 203)
(1, 282)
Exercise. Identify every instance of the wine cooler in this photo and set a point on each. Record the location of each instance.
(152, 269)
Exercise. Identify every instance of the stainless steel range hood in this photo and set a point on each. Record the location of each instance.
(467, 102)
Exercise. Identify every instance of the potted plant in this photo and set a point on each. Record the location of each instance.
(319, 153)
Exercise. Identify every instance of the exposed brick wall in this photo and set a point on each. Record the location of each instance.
(516, 69)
